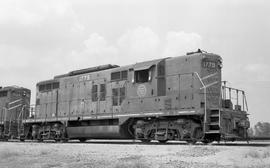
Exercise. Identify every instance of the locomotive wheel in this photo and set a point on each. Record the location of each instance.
(145, 140)
(206, 141)
(162, 141)
(40, 138)
(57, 140)
(82, 139)
(197, 134)
(64, 140)
(5, 139)
(191, 142)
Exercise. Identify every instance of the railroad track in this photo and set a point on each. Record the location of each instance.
(256, 143)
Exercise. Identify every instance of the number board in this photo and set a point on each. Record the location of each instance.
(209, 64)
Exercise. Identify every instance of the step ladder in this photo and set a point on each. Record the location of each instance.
(10, 129)
(214, 122)
(20, 129)
(20, 126)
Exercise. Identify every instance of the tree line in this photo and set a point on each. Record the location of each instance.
(261, 129)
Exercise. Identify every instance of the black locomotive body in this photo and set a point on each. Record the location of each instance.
(179, 98)
(14, 108)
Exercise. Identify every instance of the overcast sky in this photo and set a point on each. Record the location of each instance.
(40, 39)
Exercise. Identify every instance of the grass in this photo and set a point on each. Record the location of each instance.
(6, 154)
(198, 151)
(133, 161)
(266, 154)
(131, 158)
(252, 166)
(258, 155)
(44, 152)
(52, 165)
(134, 164)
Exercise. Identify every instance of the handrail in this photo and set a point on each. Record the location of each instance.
(18, 119)
(3, 118)
(204, 89)
(5, 109)
(14, 101)
(244, 100)
(20, 112)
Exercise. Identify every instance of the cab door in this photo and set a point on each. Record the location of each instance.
(54, 104)
(118, 102)
(186, 82)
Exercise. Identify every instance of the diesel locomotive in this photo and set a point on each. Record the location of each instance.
(175, 98)
(14, 108)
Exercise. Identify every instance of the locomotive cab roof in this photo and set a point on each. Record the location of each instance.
(87, 70)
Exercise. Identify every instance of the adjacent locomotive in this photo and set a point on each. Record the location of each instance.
(14, 107)
(179, 98)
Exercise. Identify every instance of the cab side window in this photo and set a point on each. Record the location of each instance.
(142, 76)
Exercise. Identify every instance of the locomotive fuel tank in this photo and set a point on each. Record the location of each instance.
(100, 129)
(96, 132)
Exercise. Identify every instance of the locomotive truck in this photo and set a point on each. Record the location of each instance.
(176, 98)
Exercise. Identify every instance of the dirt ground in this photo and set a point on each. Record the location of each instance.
(122, 154)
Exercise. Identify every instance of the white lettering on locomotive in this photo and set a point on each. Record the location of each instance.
(84, 78)
(209, 64)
